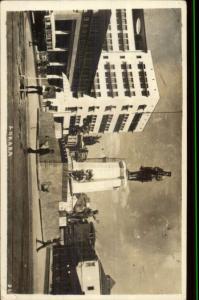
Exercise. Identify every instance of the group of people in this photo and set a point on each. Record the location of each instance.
(81, 175)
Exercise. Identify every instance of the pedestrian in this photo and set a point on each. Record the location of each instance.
(40, 151)
(48, 91)
(53, 242)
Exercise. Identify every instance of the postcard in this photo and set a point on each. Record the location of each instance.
(93, 149)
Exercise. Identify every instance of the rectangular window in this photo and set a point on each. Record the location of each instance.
(141, 66)
(142, 106)
(112, 94)
(74, 120)
(98, 94)
(90, 288)
(144, 85)
(97, 86)
(109, 107)
(86, 19)
(105, 57)
(54, 108)
(111, 86)
(123, 66)
(109, 67)
(145, 93)
(121, 27)
(121, 121)
(105, 123)
(111, 80)
(126, 107)
(90, 264)
(110, 74)
(135, 121)
(129, 93)
(109, 35)
(126, 85)
(96, 80)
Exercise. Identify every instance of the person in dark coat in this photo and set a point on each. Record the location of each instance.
(40, 151)
(53, 242)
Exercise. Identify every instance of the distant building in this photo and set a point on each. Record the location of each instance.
(76, 268)
(124, 93)
(93, 280)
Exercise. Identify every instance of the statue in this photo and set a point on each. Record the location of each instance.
(82, 175)
(146, 174)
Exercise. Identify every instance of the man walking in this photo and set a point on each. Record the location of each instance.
(53, 242)
(47, 91)
(40, 151)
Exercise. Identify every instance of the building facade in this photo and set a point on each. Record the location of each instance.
(74, 42)
(124, 93)
(76, 267)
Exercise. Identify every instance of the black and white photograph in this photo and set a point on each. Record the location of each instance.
(93, 118)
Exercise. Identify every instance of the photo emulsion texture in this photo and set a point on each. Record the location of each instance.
(94, 151)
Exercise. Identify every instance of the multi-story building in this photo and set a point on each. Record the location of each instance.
(124, 92)
(74, 42)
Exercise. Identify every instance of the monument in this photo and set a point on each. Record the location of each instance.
(146, 174)
(109, 174)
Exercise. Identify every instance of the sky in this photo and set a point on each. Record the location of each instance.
(139, 229)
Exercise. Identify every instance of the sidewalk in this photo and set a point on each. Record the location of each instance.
(39, 258)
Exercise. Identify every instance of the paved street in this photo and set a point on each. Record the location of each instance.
(23, 198)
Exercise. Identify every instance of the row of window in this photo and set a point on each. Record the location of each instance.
(128, 82)
(121, 121)
(144, 83)
(141, 65)
(108, 44)
(92, 118)
(123, 41)
(135, 121)
(105, 123)
(121, 19)
(107, 119)
(113, 93)
(74, 120)
(125, 66)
